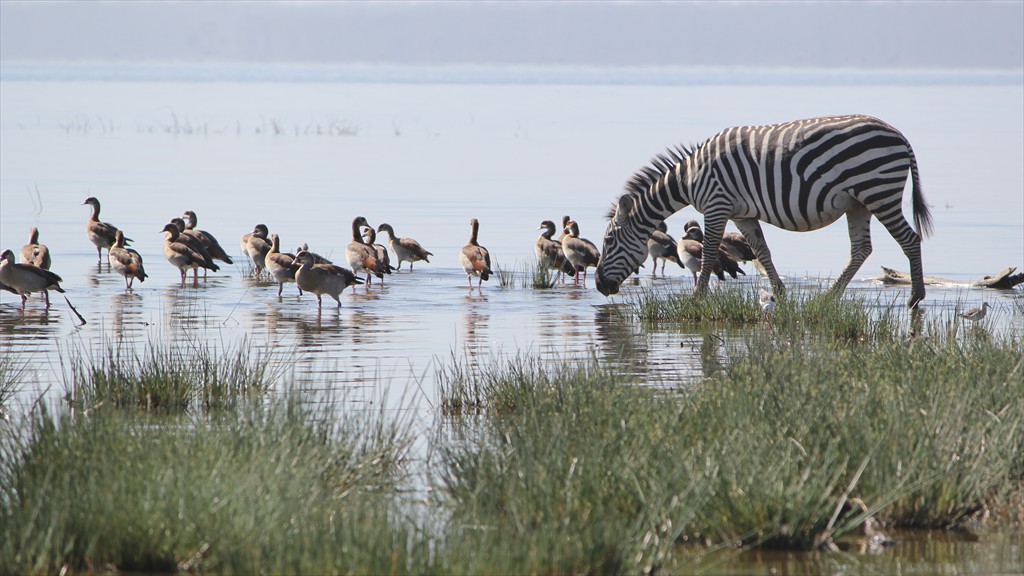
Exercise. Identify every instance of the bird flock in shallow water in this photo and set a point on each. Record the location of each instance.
(186, 247)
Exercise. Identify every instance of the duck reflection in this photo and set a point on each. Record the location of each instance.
(475, 321)
(126, 310)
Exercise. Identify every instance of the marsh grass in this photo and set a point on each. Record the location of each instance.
(169, 378)
(847, 317)
(798, 441)
(278, 488)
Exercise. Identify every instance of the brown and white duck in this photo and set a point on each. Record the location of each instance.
(257, 246)
(23, 279)
(101, 234)
(192, 241)
(580, 252)
(35, 253)
(370, 237)
(126, 262)
(216, 251)
(662, 245)
(323, 278)
(475, 259)
(181, 256)
(549, 253)
(405, 249)
(691, 252)
(360, 255)
(281, 265)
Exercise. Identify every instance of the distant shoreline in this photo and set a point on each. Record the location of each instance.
(242, 72)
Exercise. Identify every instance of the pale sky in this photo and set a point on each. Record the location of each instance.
(758, 34)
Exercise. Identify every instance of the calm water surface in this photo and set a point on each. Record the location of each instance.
(306, 157)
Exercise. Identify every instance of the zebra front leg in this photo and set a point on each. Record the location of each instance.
(858, 219)
(714, 226)
(751, 230)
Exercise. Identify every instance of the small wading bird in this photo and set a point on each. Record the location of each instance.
(767, 301)
(405, 249)
(101, 234)
(35, 253)
(323, 278)
(126, 262)
(23, 279)
(976, 314)
(475, 259)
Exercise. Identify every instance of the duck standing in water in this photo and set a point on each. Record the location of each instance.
(35, 253)
(405, 249)
(23, 279)
(475, 259)
(580, 252)
(101, 234)
(126, 262)
(323, 278)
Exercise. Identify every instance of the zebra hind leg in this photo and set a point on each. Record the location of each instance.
(751, 230)
(858, 219)
(910, 242)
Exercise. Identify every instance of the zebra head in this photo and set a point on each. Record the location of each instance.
(625, 245)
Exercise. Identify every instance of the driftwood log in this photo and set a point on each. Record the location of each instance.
(1002, 281)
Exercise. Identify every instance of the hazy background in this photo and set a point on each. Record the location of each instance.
(753, 34)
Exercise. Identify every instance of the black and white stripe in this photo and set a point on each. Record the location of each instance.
(799, 176)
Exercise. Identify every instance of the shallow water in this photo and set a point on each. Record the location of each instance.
(305, 157)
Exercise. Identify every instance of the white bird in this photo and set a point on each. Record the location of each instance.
(767, 302)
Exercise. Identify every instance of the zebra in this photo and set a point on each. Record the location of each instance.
(801, 176)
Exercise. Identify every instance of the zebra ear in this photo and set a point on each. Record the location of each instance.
(625, 207)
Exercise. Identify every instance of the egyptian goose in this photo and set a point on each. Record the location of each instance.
(406, 249)
(733, 243)
(208, 240)
(361, 256)
(370, 237)
(580, 252)
(691, 252)
(257, 246)
(126, 262)
(181, 256)
(192, 241)
(281, 265)
(323, 278)
(35, 253)
(661, 245)
(101, 234)
(475, 259)
(23, 279)
(549, 253)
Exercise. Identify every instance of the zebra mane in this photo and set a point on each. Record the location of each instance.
(646, 176)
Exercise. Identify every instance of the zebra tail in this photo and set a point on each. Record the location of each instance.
(922, 214)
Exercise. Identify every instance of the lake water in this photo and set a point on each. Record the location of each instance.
(306, 151)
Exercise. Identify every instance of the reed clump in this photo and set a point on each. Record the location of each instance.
(797, 442)
(278, 488)
(846, 317)
(170, 378)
